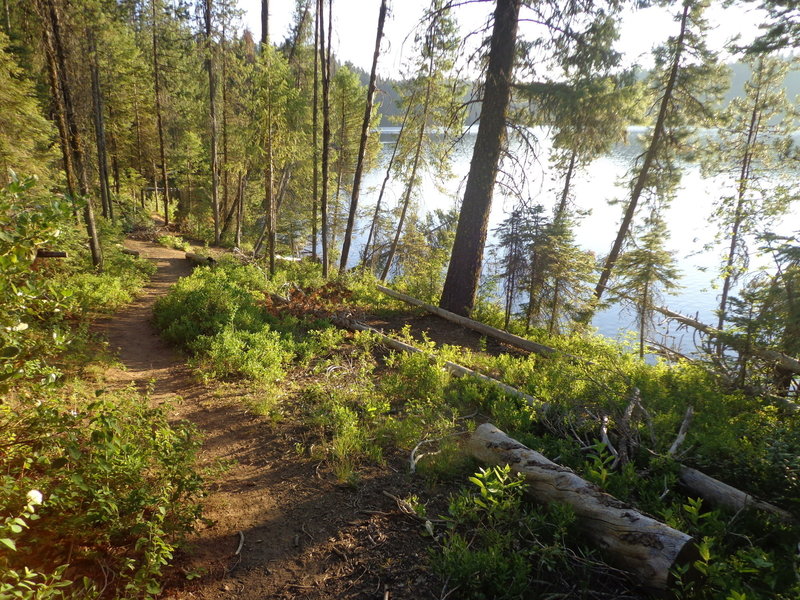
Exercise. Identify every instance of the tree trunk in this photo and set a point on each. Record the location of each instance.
(412, 178)
(498, 334)
(326, 130)
(224, 167)
(362, 146)
(99, 129)
(159, 121)
(638, 543)
(373, 229)
(68, 123)
(212, 101)
(649, 158)
(744, 177)
(264, 22)
(315, 130)
(466, 260)
(784, 361)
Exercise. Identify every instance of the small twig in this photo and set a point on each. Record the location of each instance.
(687, 420)
(241, 543)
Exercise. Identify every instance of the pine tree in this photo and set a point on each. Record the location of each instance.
(430, 97)
(686, 81)
(463, 274)
(753, 138)
(644, 272)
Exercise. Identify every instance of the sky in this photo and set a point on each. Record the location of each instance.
(355, 21)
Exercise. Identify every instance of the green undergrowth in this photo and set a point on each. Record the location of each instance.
(175, 242)
(96, 487)
(363, 404)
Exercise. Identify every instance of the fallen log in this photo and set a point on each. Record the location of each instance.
(455, 369)
(723, 495)
(499, 334)
(785, 361)
(130, 252)
(633, 541)
(199, 259)
(50, 254)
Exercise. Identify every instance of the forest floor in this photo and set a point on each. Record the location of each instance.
(277, 524)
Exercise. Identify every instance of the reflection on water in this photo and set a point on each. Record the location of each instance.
(603, 180)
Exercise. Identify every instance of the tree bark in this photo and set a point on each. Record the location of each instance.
(466, 260)
(264, 22)
(68, 124)
(315, 131)
(159, 120)
(782, 360)
(649, 159)
(99, 129)
(326, 130)
(638, 543)
(362, 146)
(212, 101)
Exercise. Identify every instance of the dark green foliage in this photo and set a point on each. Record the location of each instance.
(116, 481)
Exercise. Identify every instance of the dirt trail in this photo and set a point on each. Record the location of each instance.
(305, 535)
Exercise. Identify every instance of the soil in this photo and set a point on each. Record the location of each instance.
(278, 525)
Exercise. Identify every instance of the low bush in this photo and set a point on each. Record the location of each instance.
(98, 484)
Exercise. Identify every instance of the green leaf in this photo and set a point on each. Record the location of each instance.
(8, 543)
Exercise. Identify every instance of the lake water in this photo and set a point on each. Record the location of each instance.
(604, 179)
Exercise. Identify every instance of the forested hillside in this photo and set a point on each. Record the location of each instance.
(231, 368)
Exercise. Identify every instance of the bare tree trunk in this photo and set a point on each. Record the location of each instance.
(412, 178)
(68, 123)
(466, 260)
(240, 211)
(264, 22)
(212, 99)
(159, 121)
(225, 173)
(314, 130)
(744, 179)
(326, 129)
(649, 158)
(373, 229)
(99, 129)
(362, 146)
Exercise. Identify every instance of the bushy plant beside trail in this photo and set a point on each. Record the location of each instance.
(45, 304)
(175, 242)
(219, 314)
(95, 487)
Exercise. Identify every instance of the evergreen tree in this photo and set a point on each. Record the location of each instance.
(25, 135)
(463, 273)
(686, 82)
(432, 119)
(644, 272)
(752, 139)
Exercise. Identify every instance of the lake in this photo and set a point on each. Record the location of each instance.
(603, 180)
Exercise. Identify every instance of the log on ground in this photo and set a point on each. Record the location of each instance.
(631, 540)
(723, 495)
(199, 259)
(498, 334)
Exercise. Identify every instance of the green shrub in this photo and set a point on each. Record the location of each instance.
(175, 242)
(110, 480)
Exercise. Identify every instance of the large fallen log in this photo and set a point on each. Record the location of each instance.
(785, 361)
(499, 334)
(631, 540)
(455, 369)
(199, 259)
